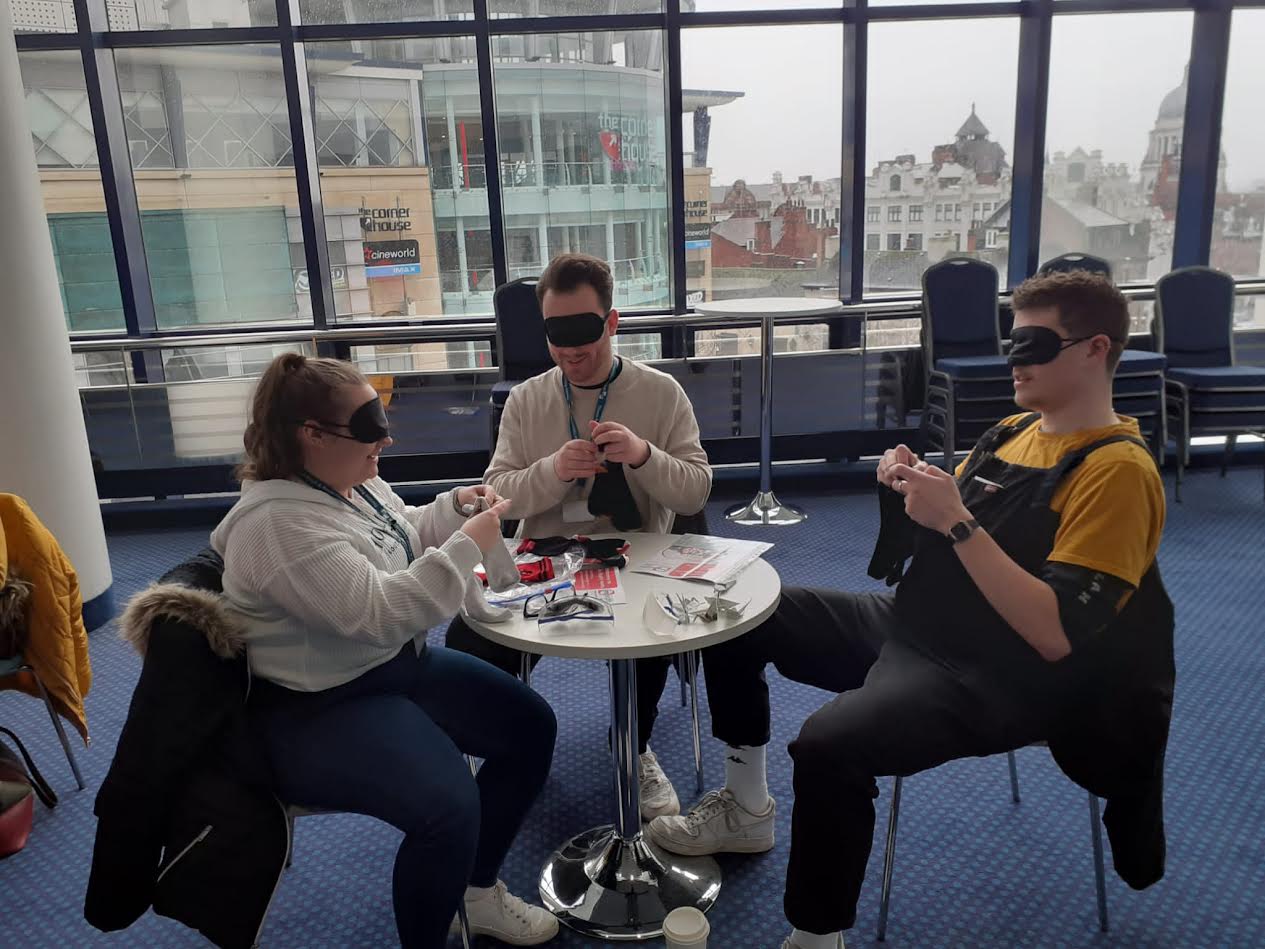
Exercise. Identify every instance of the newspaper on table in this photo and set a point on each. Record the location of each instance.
(715, 560)
(601, 582)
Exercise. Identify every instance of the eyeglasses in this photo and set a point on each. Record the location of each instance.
(547, 607)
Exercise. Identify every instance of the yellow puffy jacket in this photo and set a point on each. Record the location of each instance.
(58, 646)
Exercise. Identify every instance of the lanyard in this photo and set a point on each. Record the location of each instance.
(598, 409)
(384, 517)
(601, 398)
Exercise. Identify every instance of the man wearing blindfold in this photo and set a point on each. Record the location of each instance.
(1031, 610)
(598, 444)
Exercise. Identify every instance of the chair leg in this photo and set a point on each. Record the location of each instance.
(691, 663)
(463, 923)
(1228, 457)
(889, 859)
(290, 847)
(524, 667)
(61, 732)
(1100, 874)
(1014, 776)
(678, 663)
(474, 766)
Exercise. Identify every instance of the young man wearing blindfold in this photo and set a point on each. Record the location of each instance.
(1031, 600)
(598, 444)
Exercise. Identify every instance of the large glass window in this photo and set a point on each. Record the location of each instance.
(209, 136)
(188, 14)
(763, 161)
(400, 144)
(1113, 138)
(582, 137)
(66, 152)
(945, 150)
(1239, 216)
(384, 11)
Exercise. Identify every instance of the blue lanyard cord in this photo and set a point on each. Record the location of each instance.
(601, 398)
(384, 517)
(598, 409)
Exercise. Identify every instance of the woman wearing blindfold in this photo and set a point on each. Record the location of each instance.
(337, 580)
(1031, 609)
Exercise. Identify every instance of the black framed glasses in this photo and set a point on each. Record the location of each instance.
(549, 607)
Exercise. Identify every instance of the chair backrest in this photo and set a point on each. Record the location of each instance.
(1069, 262)
(520, 331)
(959, 309)
(1194, 317)
(691, 524)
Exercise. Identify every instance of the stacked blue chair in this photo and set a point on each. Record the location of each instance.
(1208, 393)
(969, 385)
(521, 349)
(1138, 385)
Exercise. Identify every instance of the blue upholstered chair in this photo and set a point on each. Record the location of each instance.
(521, 349)
(1208, 392)
(1138, 385)
(969, 385)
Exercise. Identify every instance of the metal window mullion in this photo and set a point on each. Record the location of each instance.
(1201, 134)
(105, 103)
(307, 172)
(852, 154)
(676, 165)
(1031, 109)
(491, 150)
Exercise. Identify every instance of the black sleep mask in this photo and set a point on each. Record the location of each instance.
(578, 329)
(1038, 345)
(367, 424)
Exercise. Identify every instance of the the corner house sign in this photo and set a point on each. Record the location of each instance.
(625, 139)
(392, 259)
(385, 219)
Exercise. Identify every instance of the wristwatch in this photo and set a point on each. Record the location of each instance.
(962, 530)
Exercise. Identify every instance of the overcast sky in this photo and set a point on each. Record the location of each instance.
(1108, 76)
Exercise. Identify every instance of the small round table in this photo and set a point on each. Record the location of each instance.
(610, 882)
(765, 508)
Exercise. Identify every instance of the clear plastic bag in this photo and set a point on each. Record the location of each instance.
(565, 567)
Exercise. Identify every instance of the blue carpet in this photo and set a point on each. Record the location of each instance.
(973, 869)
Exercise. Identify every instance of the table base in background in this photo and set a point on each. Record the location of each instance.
(604, 886)
(766, 509)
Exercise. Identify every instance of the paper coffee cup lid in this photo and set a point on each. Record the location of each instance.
(685, 925)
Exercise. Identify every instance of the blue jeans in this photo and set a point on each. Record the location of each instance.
(390, 743)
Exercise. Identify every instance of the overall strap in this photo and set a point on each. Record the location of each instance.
(994, 438)
(1071, 461)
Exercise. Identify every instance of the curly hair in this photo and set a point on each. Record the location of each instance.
(567, 272)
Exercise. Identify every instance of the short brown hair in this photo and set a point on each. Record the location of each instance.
(568, 272)
(293, 389)
(1087, 304)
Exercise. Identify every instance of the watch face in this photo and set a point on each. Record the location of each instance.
(960, 531)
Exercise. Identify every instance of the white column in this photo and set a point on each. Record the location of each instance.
(610, 239)
(542, 237)
(45, 458)
(537, 145)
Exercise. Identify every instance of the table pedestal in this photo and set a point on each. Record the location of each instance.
(765, 508)
(610, 882)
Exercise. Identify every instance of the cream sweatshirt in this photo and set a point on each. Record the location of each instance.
(324, 596)
(676, 479)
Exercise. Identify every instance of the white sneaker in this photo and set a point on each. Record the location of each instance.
(658, 797)
(788, 943)
(716, 824)
(502, 915)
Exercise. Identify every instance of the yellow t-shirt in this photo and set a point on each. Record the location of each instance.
(1111, 507)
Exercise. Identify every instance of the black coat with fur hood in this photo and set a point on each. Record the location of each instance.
(185, 818)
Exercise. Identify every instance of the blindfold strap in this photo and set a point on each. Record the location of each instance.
(1038, 345)
(579, 329)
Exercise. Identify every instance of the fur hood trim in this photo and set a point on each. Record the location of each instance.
(201, 609)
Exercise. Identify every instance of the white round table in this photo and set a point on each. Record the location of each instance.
(610, 882)
(765, 508)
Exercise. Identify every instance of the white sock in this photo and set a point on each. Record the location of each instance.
(745, 776)
(476, 893)
(803, 940)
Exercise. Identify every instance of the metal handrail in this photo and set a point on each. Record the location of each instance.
(895, 308)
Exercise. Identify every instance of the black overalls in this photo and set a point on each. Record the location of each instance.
(928, 675)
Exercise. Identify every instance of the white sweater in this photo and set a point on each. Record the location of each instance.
(323, 596)
(675, 479)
